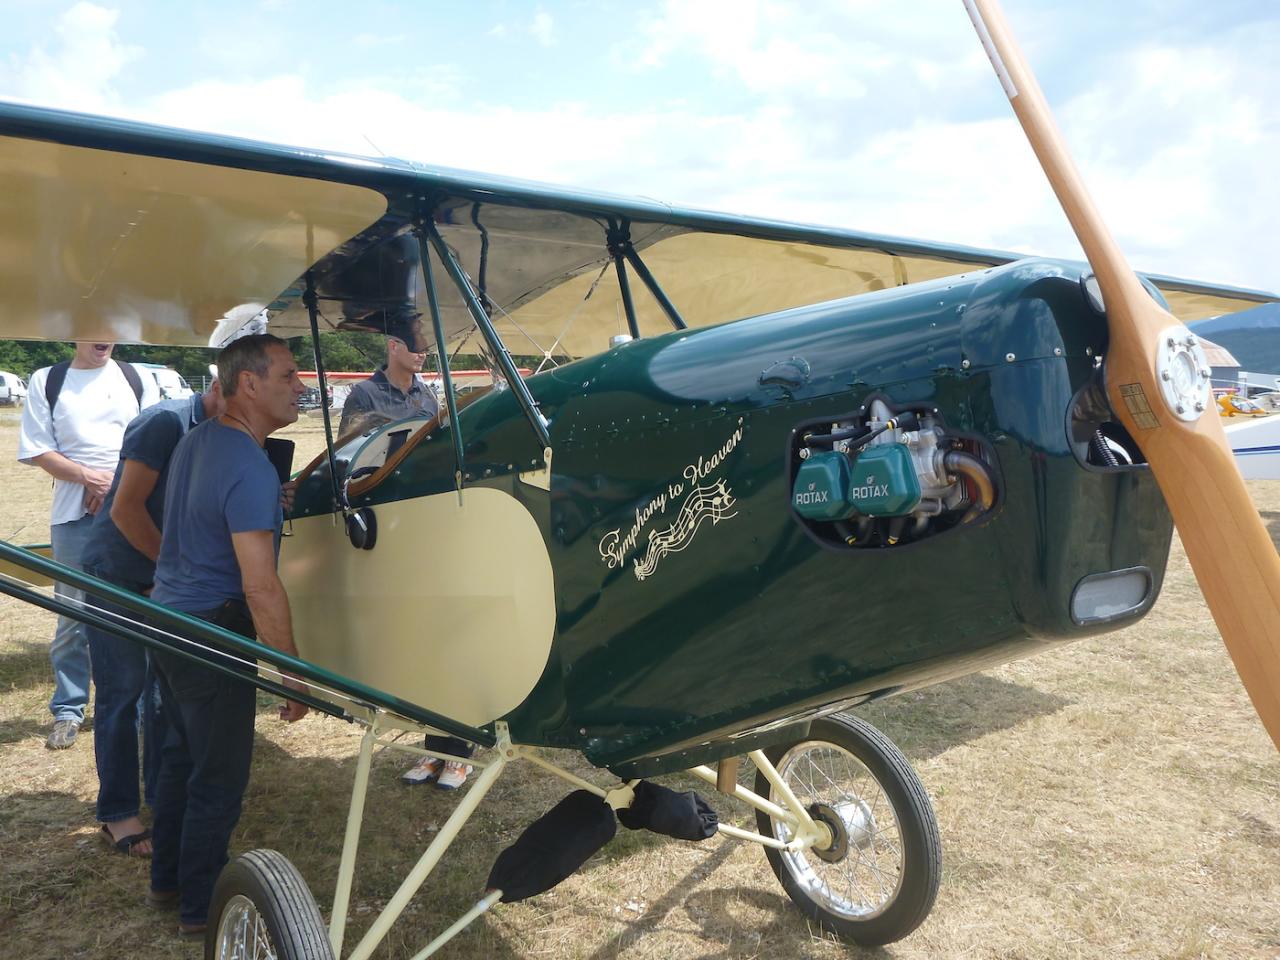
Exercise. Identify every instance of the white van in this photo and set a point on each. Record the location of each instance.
(170, 383)
(13, 390)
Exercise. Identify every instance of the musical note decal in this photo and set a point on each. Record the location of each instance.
(713, 502)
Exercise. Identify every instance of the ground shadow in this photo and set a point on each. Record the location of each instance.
(657, 912)
(783, 935)
(925, 723)
(25, 814)
(12, 731)
(26, 666)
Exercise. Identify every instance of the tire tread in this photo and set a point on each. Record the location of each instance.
(283, 899)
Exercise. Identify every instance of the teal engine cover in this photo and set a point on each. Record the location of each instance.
(821, 488)
(883, 482)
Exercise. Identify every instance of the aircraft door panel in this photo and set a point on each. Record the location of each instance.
(454, 609)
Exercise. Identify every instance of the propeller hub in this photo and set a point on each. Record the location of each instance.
(1183, 373)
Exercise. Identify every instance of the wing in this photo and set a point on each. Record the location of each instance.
(117, 231)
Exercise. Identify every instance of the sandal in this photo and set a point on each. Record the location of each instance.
(125, 845)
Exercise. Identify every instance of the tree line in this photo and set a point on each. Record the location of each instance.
(349, 351)
(344, 351)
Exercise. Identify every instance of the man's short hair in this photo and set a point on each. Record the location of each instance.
(247, 353)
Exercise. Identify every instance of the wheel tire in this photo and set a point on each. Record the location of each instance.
(261, 894)
(880, 815)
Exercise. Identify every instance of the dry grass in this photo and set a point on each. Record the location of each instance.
(1113, 799)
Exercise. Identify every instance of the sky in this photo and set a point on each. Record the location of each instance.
(877, 116)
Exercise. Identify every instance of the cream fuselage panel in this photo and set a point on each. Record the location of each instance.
(453, 610)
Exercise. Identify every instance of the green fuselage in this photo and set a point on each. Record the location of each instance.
(691, 605)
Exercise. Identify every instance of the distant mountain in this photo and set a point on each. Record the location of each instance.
(1252, 336)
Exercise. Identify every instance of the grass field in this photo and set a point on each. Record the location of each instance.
(1116, 798)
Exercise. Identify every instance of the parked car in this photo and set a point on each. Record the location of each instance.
(13, 389)
(310, 399)
(170, 383)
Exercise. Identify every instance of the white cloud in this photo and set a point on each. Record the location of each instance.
(908, 134)
(79, 71)
(1179, 146)
(823, 49)
(543, 28)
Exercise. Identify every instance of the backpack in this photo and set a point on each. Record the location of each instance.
(58, 374)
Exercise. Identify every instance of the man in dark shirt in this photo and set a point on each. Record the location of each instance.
(221, 539)
(394, 391)
(122, 549)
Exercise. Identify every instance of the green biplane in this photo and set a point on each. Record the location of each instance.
(763, 473)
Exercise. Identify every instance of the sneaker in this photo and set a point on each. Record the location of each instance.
(454, 775)
(424, 771)
(63, 734)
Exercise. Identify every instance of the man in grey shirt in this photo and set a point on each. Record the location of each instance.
(394, 391)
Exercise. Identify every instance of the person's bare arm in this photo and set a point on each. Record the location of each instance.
(268, 602)
(96, 483)
(62, 468)
(129, 509)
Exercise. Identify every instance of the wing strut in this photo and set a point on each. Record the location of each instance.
(624, 285)
(620, 245)
(481, 317)
(442, 351)
(313, 312)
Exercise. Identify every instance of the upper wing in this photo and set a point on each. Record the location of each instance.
(116, 231)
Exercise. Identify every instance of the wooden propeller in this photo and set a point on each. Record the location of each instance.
(1157, 381)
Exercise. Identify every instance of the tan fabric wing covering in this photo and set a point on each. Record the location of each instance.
(715, 278)
(1189, 307)
(711, 278)
(98, 245)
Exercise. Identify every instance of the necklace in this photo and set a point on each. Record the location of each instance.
(248, 429)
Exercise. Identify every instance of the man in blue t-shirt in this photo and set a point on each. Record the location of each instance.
(221, 537)
(123, 544)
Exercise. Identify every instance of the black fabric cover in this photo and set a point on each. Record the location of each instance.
(280, 453)
(553, 847)
(685, 816)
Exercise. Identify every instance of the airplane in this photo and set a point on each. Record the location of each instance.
(768, 472)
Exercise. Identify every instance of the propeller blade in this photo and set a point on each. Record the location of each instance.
(1158, 384)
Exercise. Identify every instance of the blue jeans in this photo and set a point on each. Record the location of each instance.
(69, 652)
(124, 692)
(204, 770)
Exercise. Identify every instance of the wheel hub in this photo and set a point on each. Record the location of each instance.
(838, 848)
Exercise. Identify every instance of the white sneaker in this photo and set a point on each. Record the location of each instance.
(454, 775)
(424, 771)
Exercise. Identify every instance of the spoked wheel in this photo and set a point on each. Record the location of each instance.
(263, 910)
(876, 880)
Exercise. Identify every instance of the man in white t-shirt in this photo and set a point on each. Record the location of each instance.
(78, 444)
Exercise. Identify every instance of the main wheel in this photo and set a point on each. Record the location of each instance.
(876, 879)
(263, 910)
